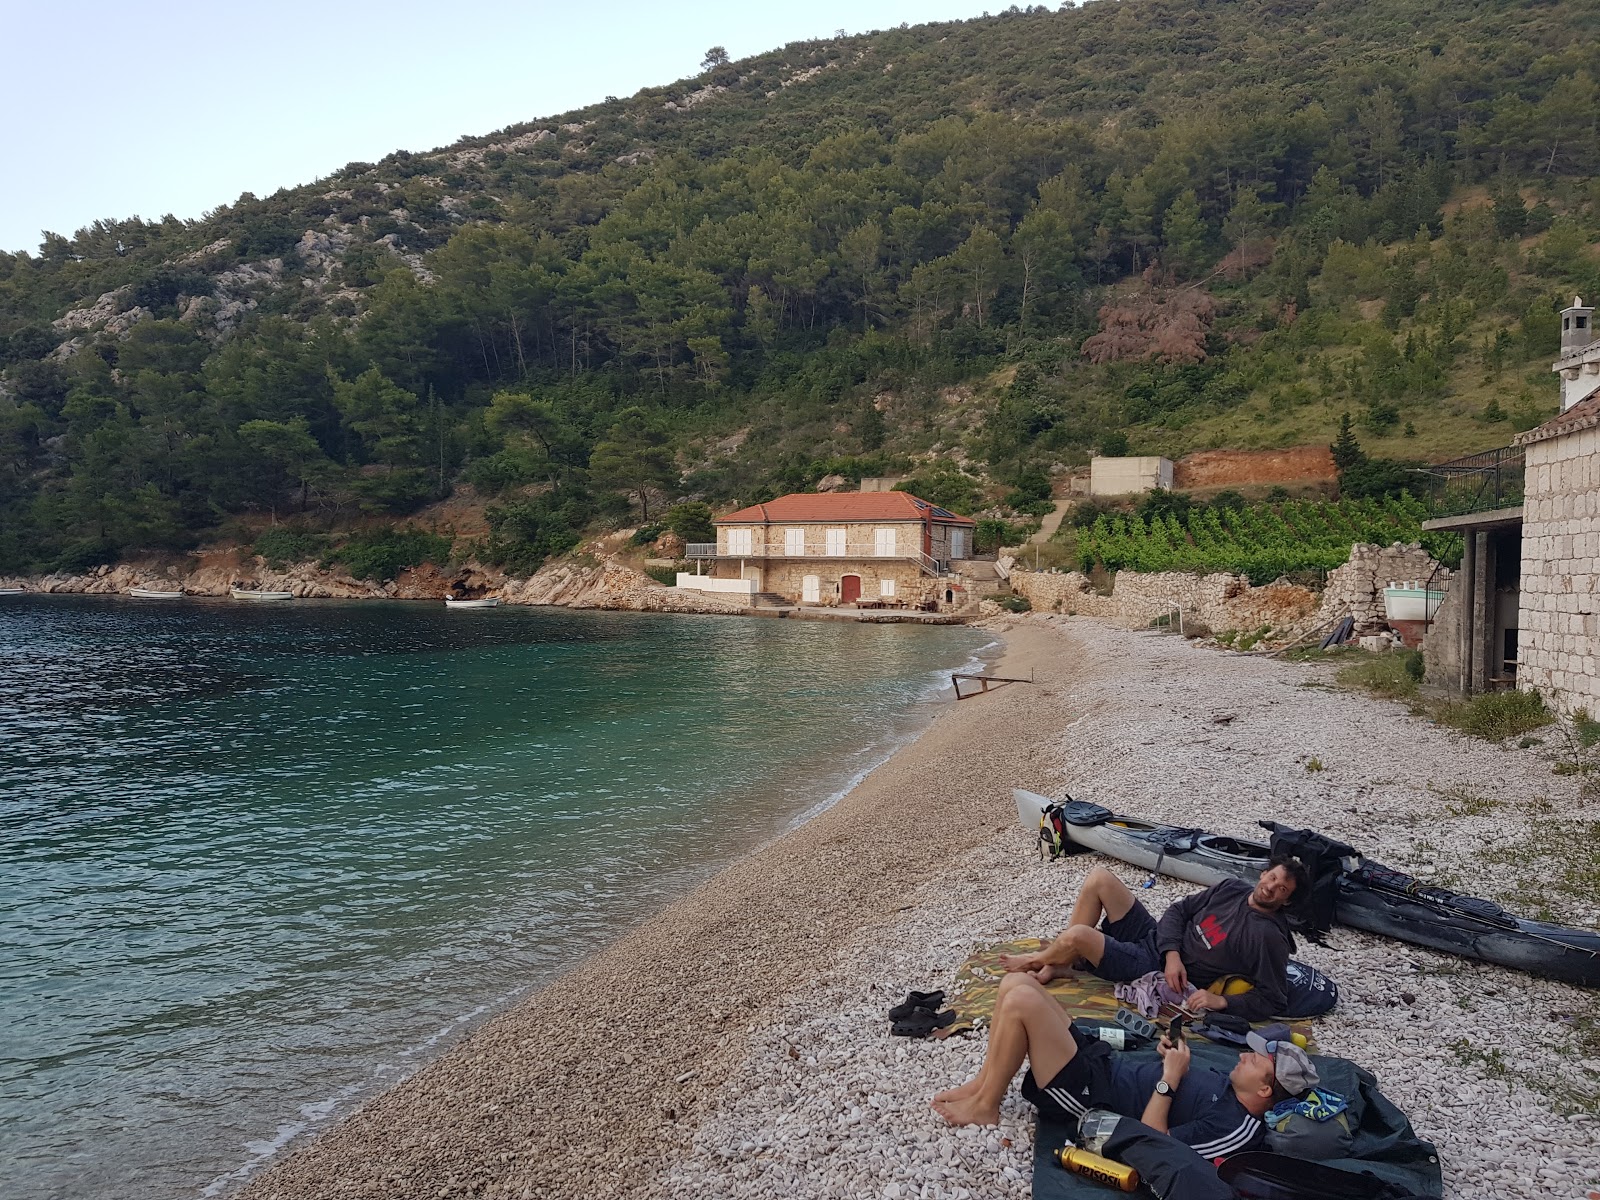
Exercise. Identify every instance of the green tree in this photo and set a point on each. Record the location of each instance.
(634, 457)
(1184, 235)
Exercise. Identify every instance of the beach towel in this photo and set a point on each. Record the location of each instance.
(977, 987)
(1384, 1149)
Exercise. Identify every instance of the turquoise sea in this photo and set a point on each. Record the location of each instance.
(257, 862)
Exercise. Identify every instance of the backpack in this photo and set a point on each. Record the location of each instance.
(1053, 832)
(1263, 1175)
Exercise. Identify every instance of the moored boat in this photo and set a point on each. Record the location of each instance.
(246, 594)
(154, 594)
(12, 591)
(1370, 897)
(484, 602)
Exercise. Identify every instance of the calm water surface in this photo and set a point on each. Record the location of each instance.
(258, 862)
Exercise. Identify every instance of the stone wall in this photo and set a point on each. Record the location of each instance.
(786, 577)
(1222, 602)
(1558, 646)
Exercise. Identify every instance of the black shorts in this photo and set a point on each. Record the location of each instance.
(1084, 1083)
(1130, 946)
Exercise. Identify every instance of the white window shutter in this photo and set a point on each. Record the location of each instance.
(956, 538)
(811, 589)
(794, 542)
(884, 543)
(835, 543)
(886, 589)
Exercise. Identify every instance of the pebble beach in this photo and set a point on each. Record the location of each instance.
(735, 1043)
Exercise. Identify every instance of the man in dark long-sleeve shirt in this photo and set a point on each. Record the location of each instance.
(1228, 929)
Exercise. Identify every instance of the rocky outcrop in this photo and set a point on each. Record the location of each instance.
(606, 585)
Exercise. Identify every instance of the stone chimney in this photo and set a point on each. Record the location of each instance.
(1577, 326)
(1579, 364)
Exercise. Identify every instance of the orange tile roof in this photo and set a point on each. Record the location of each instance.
(1585, 414)
(804, 507)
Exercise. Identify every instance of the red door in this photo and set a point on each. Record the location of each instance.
(849, 589)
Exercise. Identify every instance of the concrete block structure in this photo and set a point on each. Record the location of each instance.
(1129, 476)
(840, 548)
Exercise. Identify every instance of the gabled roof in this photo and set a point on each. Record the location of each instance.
(803, 507)
(1585, 414)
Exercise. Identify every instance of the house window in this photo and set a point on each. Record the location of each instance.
(794, 542)
(886, 589)
(835, 543)
(883, 545)
(1581, 321)
(956, 538)
(811, 590)
(739, 542)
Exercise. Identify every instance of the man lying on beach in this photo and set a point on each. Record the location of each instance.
(1228, 929)
(1069, 1073)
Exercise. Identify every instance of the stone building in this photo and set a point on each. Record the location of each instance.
(837, 548)
(1129, 476)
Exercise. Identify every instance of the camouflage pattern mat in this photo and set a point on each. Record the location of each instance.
(977, 987)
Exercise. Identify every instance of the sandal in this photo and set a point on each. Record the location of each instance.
(914, 1001)
(921, 1024)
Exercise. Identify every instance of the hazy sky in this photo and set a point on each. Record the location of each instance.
(158, 106)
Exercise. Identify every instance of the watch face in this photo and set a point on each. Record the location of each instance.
(1163, 1088)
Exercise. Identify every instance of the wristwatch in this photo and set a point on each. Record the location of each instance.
(1163, 1088)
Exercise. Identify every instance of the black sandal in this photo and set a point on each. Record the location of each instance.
(922, 1023)
(914, 1001)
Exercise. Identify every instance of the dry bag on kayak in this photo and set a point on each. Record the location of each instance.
(1325, 860)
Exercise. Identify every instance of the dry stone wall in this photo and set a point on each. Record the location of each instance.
(1223, 602)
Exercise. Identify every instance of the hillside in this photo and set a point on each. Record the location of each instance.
(974, 251)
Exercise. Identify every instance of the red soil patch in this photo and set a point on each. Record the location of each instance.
(1218, 468)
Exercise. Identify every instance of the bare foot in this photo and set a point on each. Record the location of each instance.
(958, 1093)
(1051, 971)
(969, 1110)
(1020, 962)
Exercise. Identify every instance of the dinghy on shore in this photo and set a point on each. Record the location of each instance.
(11, 591)
(485, 602)
(154, 594)
(1371, 897)
(245, 594)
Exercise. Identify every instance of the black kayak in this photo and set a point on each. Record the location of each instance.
(1369, 897)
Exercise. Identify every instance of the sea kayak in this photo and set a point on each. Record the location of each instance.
(1371, 897)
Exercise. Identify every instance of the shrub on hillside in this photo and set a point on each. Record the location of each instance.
(283, 544)
(383, 554)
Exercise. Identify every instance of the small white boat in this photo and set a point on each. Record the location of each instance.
(243, 594)
(11, 591)
(154, 594)
(1408, 602)
(486, 602)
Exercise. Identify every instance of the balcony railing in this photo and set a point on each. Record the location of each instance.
(858, 549)
(1475, 483)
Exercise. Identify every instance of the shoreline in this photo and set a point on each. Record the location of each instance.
(734, 1044)
(686, 983)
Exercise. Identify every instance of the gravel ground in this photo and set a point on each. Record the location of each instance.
(1485, 1060)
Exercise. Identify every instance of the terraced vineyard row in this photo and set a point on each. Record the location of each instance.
(1262, 541)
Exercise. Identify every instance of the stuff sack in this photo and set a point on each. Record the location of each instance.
(1053, 832)
(1310, 992)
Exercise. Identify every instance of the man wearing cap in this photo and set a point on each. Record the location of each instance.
(1215, 1114)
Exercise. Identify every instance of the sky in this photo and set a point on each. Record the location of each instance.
(169, 106)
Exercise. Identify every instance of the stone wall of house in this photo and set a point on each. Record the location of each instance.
(1558, 645)
(786, 577)
(860, 538)
(1222, 602)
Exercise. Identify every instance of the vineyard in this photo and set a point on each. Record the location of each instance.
(1262, 541)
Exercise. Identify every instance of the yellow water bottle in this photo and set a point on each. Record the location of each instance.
(1102, 1170)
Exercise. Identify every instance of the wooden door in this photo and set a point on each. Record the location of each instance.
(849, 589)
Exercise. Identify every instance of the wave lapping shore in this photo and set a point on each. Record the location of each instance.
(735, 1045)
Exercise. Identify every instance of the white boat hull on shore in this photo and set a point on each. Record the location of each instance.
(242, 594)
(486, 602)
(12, 591)
(153, 594)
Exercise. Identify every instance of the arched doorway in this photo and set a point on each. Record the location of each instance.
(849, 589)
(949, 596)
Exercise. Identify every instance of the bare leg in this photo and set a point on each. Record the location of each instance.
(1028, 1026)
(1102, 895)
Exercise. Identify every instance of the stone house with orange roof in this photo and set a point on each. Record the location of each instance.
(837, 548)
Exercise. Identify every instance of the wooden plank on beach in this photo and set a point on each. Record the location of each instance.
(998, 681)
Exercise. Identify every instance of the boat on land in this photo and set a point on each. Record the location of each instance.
(246, 594)
(154, 594)
(485, 602)
(1371, 897)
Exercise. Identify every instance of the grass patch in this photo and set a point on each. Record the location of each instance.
(666, 576)
(1464, 802)
(1314, 765)
(283, 545)
(1495, 716)
(1392, 676)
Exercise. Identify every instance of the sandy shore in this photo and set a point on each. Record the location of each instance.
(735, 1044)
